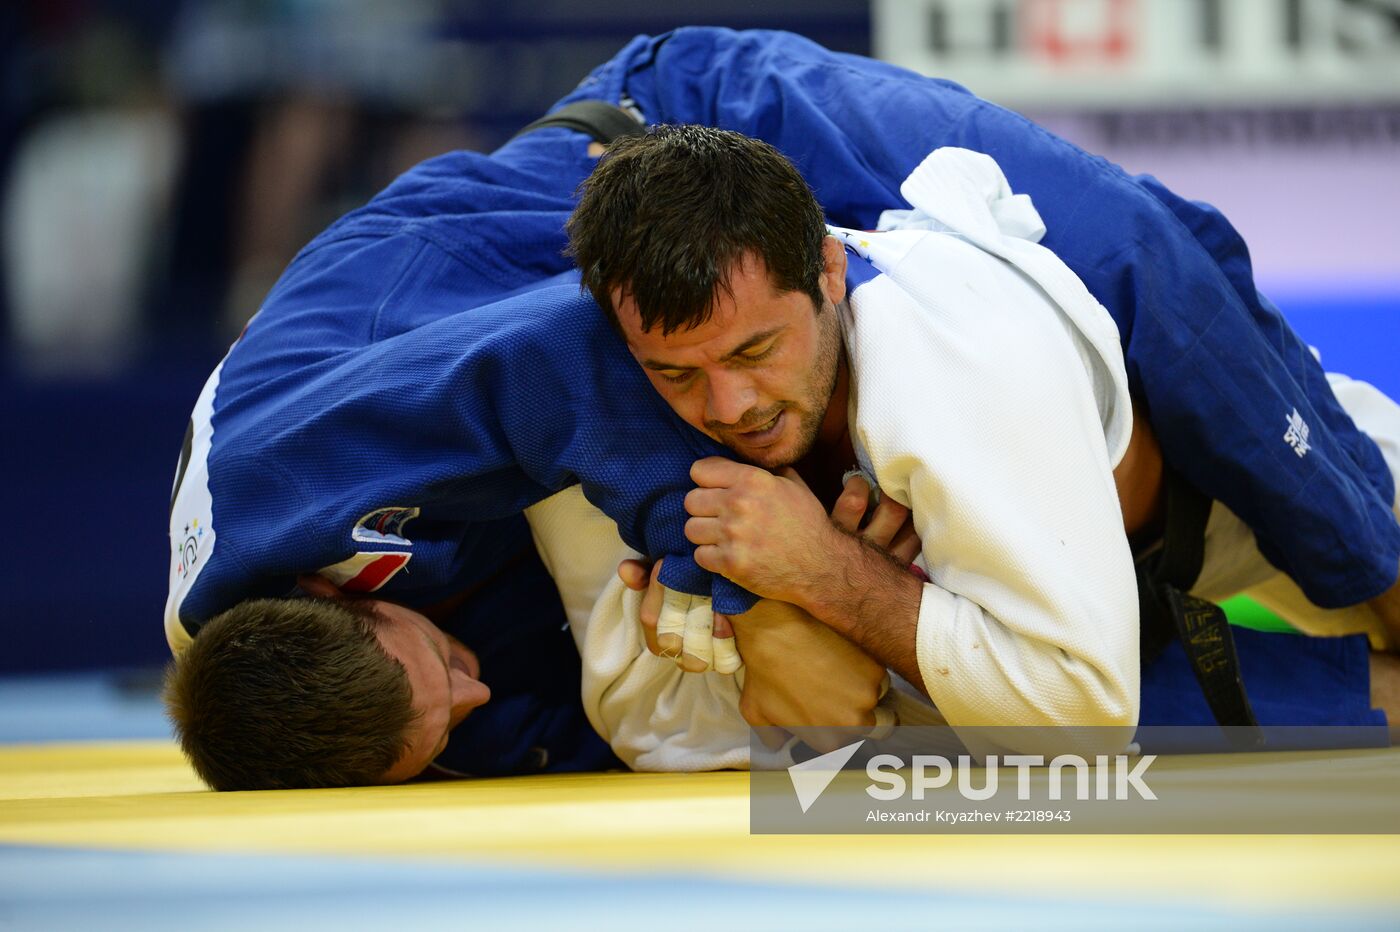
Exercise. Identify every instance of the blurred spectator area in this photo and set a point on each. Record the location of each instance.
(160, 163)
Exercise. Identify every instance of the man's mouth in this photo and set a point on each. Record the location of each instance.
(765, 433)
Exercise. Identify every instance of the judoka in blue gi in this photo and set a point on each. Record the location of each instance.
(426, 368)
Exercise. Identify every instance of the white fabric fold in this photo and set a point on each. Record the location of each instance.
(655, 716)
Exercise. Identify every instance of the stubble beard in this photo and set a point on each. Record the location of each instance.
(814, 405)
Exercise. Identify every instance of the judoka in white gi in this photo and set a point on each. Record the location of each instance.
(971, 374)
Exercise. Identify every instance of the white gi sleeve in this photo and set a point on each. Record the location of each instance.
(972, 401)
(655, 716)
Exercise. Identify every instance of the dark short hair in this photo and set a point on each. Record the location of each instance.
(289, 693)
(665, 217)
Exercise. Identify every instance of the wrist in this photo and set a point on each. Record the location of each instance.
(797, 577)
(856, 578)
(815, 586)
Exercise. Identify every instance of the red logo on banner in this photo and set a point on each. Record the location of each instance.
(1060, 30)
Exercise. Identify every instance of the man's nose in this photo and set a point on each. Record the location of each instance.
(731, 395)
(468, 693)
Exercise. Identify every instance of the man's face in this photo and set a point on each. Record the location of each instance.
(758, 375)
(443, 675)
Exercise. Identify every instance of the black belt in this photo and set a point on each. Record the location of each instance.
(1168, 611)
(600, 120)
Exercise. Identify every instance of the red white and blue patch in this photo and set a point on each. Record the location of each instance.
(384, 526)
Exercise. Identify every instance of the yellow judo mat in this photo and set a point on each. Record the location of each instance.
(675, 834)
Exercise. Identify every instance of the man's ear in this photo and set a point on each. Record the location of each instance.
(833, 269)
(319, 587)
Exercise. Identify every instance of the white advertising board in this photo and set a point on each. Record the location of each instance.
(1132, 53)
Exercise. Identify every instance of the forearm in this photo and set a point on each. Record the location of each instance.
(1009, 631)
(1024, 669)
(871, 600)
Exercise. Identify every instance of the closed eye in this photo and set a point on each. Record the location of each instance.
(675, 376)
(758, 353)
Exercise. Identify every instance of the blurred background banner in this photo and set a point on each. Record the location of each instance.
(162, 160)
(1285, 114)
(1090, 53)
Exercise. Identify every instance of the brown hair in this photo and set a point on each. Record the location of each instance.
(666, 216)
(289, 693)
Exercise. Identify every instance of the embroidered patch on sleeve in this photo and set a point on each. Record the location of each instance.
(384, 526)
